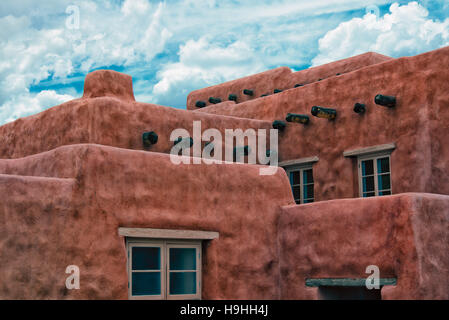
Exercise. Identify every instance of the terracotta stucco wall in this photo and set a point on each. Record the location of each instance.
(418, 124)
(107, 121)
(78, 195)
(405, 235)
(280, 78)
(261, 83)
(126, 188)
(438, 134)
(36, 236)
(48, 223)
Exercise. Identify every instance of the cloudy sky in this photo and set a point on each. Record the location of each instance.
(175, 46)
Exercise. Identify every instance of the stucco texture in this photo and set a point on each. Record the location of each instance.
(405, 235)
(108, 121)
(280, 78)
(418, 124)
(104, 188)
(72, 175)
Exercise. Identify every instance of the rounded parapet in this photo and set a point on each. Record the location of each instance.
(108, 83)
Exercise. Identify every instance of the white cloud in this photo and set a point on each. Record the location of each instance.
(155, 36)
(202, 64)
(10, 26)
(405, 31)
(28, 104)
(35, 45)
(32, 7)
(139, 7)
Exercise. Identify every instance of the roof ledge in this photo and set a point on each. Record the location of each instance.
(346, 282)
(374, 149)
(167, 234)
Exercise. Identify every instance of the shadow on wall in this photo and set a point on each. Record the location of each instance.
(348, 293)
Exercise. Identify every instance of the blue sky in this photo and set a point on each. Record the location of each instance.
(175, 46)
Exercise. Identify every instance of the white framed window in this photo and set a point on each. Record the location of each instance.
(374, 175)
(164, 269)
(301, 181)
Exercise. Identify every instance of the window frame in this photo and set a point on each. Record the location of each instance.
(180, 244)
(374, 157)
(301, 168)
(165, 245)
(130, 271)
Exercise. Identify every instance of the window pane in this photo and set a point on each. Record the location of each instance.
(367, 167)
(182, 282)
(298, 201)
(368, 184)
(369, 194)
(146, 283)
(308, 191)
(307, 176)
(383, 182)
(383, 165)
(384, 193)
(308, 200)
(294, 177)
(182, 259)
(297, 192)
(146, 258)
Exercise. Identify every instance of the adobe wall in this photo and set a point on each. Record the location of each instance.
(438, 134)
(119, 188)
(261, 83)
(107, 121)
(36, 216)
(400, 76)
(334, 69)
(405, 235)
(418, 124)
(280, 78)
(77, 184)
(64, 162)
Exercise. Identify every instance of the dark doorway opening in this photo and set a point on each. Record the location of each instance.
(348, 293)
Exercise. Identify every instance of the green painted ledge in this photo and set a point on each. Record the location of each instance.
(347, 282)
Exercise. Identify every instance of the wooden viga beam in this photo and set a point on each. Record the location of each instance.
(297, 118)
(385, 101)
(248, 92)
(200, 104)
(325, 113)
(214, 100)
(149, 138)
(232, 97)
(279, 125)
(359, 108)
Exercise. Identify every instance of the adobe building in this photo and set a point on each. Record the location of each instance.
(362, 181)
